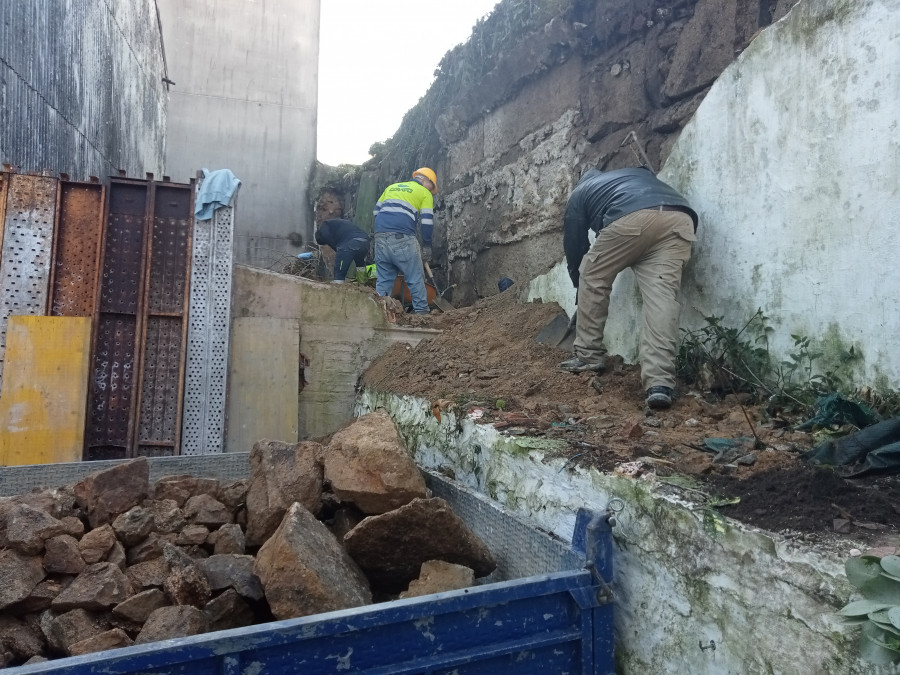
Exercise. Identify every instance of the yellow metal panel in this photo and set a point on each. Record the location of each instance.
(263, 382)
(42, 405)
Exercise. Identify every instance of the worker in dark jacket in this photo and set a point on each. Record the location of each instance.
(349, 241)
(641, 223)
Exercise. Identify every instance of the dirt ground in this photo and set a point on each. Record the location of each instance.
(488, 364)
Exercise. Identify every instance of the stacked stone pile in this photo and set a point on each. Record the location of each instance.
(115, 560)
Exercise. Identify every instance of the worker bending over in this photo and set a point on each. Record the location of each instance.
(644, 224)
(397, 251)
(349, 241)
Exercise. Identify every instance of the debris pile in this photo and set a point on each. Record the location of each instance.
(115, 560)
(488, 368)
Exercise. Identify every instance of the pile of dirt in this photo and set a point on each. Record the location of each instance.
(487, 364)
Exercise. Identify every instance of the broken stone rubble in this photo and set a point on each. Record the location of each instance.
(92, 566)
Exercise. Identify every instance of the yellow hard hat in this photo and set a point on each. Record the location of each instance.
(429, 174)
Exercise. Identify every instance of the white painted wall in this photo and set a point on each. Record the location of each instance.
(793, 162)
(684, 575)
(245, 98)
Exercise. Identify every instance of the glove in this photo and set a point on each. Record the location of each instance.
(426, 254)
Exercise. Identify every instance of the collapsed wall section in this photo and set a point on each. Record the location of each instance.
(81, 87)
(539, 93)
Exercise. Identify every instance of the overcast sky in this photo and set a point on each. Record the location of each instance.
(376, 60)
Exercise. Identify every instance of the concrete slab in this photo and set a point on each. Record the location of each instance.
(342, 330)
(264, 379)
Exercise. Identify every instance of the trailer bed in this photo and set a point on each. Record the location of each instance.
(546, 609)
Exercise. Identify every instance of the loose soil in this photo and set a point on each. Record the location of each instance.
(487, 363)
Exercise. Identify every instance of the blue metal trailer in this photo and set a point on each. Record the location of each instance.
(553, 623)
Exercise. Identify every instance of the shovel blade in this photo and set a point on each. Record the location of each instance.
(557, 333)
(442, 304)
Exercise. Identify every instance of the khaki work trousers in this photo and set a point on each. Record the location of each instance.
(655, 245)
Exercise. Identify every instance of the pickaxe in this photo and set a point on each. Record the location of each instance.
(632, 140)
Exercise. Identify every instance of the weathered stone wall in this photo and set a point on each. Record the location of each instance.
(538, 95)
(792, 163)
(81, 87)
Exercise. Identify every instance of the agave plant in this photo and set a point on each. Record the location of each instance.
(878, 613)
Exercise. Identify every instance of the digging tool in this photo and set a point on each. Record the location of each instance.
(632, 140)
(560, 332)
(439, 300)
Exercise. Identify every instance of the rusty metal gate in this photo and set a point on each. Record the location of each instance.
(203, 421)
(28, 221)
(164, 321)
(115, 347)
(76, 249)
(123, 256)
(138, 355)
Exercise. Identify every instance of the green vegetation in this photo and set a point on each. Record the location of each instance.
(878, 612)
(727, 360)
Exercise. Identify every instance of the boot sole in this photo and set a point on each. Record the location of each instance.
(659, 402)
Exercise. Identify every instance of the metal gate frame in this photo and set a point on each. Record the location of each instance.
(163, 325)
(115, 348)
(141, 326)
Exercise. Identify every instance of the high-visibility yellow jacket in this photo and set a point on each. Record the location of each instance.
(398, 207)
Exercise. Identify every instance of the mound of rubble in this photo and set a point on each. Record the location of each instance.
(115, 560)
(487, 365)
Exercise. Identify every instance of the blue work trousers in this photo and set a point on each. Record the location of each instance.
(399, 254)
(354, 250)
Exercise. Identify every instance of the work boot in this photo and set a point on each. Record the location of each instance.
(578, 365)
(660, 398)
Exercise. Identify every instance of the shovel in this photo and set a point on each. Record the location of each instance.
(560, 332)
(439, 300)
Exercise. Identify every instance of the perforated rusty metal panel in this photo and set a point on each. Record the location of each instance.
(76, 254)
(209, 326)
(124, 248)
(26, 251)
(160, 387)
(159, 416)
(116, 350)
(111, 387)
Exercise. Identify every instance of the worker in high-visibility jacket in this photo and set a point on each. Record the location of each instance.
(399, 209)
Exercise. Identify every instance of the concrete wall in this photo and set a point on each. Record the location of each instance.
(81, 88)
(684, 575)
(792, 161)
(245, 99)
(342, 330)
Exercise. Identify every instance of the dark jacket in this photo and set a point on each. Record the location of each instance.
(337, 232)
(602, 197)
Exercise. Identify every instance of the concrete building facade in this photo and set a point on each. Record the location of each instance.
(244, 98)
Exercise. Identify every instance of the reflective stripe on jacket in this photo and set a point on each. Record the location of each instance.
(398, 207)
